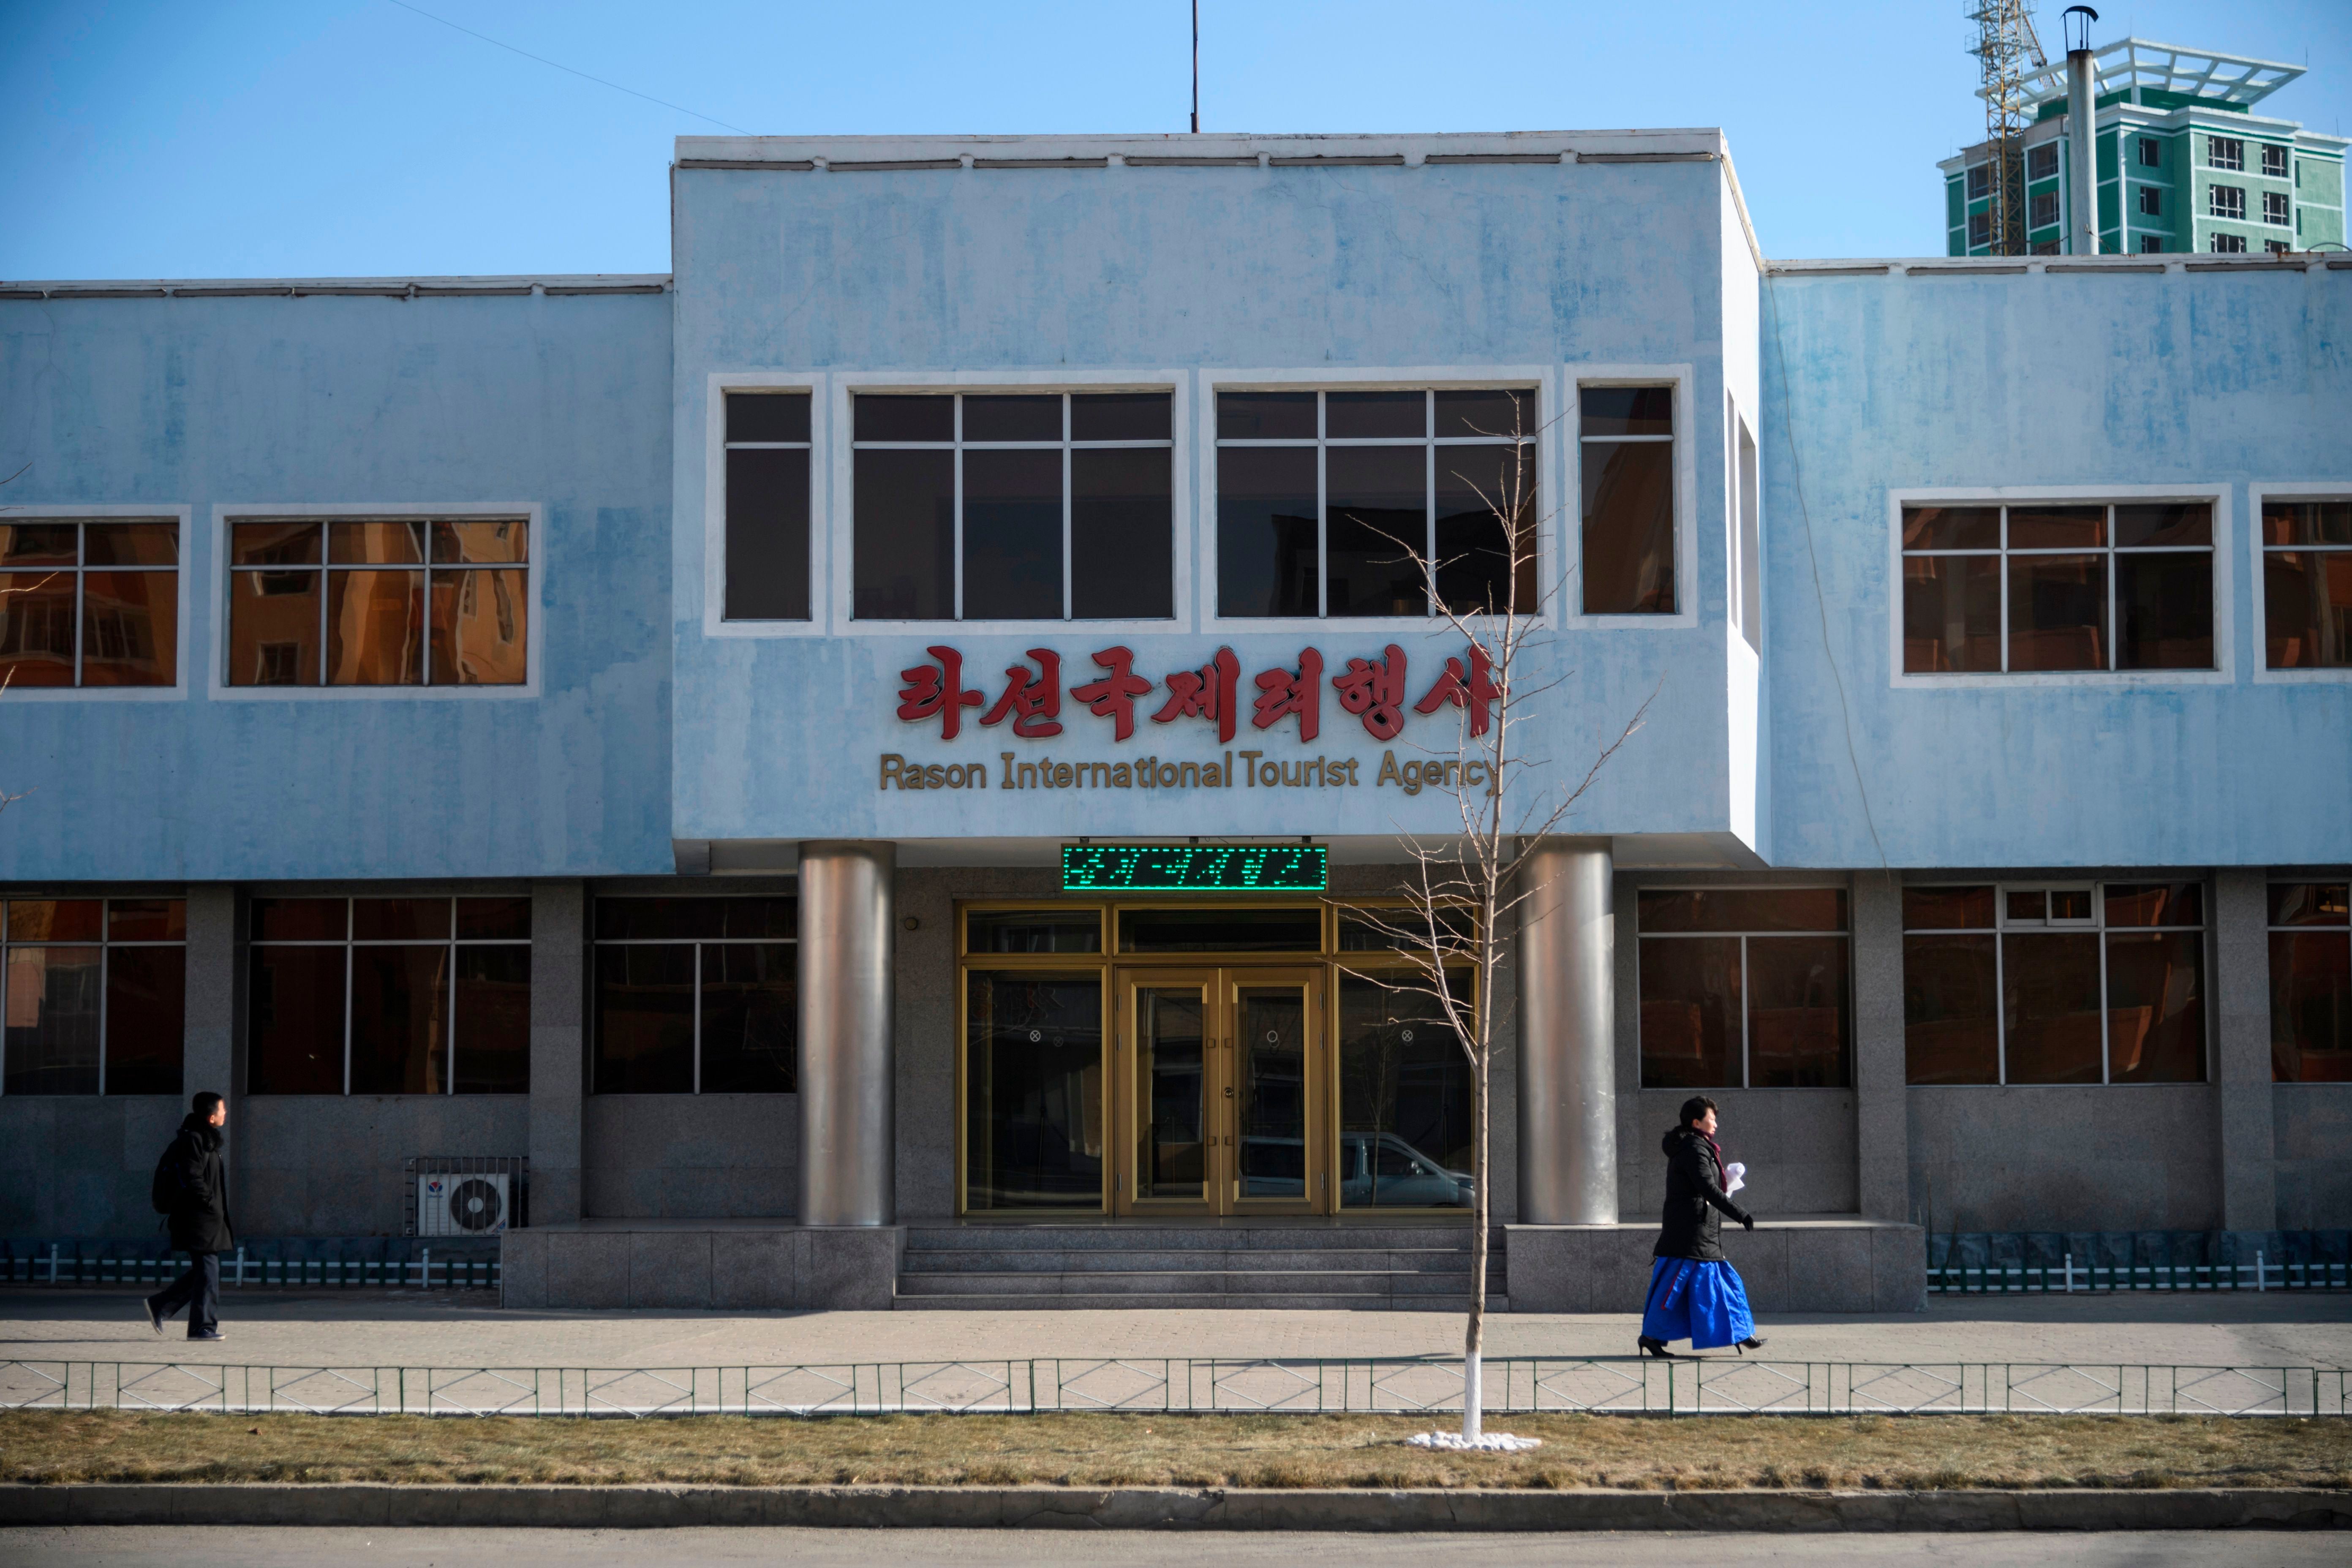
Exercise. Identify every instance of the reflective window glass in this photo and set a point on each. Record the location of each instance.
(1032, 931)
(1221, 931)
(1405, 1101)
(1033, 1093)
(90, 604)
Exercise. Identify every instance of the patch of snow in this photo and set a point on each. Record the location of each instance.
(1485, 1442)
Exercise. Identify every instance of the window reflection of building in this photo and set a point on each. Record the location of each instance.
(90, 604)
(1033, 1092)
(95, 995)
(1745, 987)
(2311, 982)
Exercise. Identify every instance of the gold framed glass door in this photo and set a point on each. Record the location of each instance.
(1218, 1079)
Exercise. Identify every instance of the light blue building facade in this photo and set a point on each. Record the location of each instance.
(633, 723)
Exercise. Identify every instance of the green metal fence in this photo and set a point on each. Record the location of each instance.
(1600, 1385)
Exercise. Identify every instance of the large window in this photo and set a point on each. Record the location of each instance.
(2227, 202)
(1626, 439)
(1014, 507)
(2274, 162)
(2057, 587)
(767, 506)
(1744, 987)
(2311, 982)
(2075, 984)
(408, 995)
(2307, 585)
(90, 604)
(1033, 1072)
(1406, 1117)
(405, 602)
(94, 992)
(697, 996)
(1328, 503)
(2041, 162)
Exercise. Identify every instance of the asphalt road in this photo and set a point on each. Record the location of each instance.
(216, 1548)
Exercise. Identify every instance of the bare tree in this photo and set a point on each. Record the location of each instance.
(1462, 893)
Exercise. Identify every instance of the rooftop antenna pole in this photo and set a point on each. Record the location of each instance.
(1196, 66)
(2008, 50)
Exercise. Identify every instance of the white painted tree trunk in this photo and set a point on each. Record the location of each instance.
(1472, 1394)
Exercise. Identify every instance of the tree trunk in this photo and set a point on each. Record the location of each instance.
(1473, 1342)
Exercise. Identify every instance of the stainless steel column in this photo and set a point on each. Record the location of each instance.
(1568, 1066)
(848, 1121)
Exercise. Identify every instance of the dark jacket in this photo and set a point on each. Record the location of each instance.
(199, 1216)
(1690, 1227)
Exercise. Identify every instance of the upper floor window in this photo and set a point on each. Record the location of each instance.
(94, 991)
(1626, 437)
(2274, 162)
(2276, 208)
(392, 601)
(2225, 152)
(1333, 503)
(697, 996)
(2229, 244)
(2061, 586)
(2045, 208)
(2152, 152)
(2151, 200)
(2307, 585)
(1746, 543)
(2151, 244)
(2041, 163)
(1980, 228)
(90, 604)
(1980, 181)
(1052, 505)
(2311, 982)
(426, 995)
(767, 506)
(2081, 983)
(2226, 201)
(1744, 988)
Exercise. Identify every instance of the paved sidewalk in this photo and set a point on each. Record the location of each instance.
(392, 1328)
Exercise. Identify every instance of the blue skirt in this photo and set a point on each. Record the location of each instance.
(1702, 1302)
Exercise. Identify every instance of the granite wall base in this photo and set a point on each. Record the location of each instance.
(724, 1269)
(1798, 1265)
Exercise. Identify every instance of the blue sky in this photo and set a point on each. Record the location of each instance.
(237, 138)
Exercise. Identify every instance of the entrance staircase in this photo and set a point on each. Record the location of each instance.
(1000, 1267)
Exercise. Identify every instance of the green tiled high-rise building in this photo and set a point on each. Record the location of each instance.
(2185, 163)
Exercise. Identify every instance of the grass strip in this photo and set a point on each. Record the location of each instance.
(1095, 1449)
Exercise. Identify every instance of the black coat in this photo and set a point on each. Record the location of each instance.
(199, 1216)
(1691, 1226)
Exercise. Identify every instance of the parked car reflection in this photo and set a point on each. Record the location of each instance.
(1377, 1170)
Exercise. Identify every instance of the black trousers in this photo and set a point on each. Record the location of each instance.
(198, 1290)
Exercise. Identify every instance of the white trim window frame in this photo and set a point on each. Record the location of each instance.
(835, 567)
(2258, 497)
(534, 567)
(2226, 153)
(2090, 920)
(2003, 496)
(1743, 935)
(1685, 434)
(1543, 380)
(352, 944)
(2226, 202)
(186, 568)
(713, 577)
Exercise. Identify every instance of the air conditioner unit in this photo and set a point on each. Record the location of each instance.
(462, 1202)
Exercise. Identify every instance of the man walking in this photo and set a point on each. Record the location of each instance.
(192, 1187)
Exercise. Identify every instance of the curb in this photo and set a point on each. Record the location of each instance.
(1156, 1508)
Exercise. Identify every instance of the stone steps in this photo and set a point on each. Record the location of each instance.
(1268, 1268)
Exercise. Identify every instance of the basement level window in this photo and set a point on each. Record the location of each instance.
(1744, 987)
(2098, 982)
(1019, 507)
(2311, 982)
(2275, 162)
(2225, 152)
(2019, 589)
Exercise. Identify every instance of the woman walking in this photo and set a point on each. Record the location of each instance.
(1695, 1294)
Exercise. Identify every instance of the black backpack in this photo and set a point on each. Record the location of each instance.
(164, 1192)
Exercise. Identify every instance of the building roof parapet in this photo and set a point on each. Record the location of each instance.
(2023, 266)
(553, 285)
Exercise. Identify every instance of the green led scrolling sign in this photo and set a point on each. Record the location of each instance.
(1195, 868)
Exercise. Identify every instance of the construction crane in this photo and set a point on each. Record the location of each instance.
(2009, 52)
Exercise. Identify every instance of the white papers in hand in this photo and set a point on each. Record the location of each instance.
(1736, 1176)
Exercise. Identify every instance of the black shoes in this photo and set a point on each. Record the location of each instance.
(1750, 1343)
(207, 1334)
(1657, 1348)
(155, 1318)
